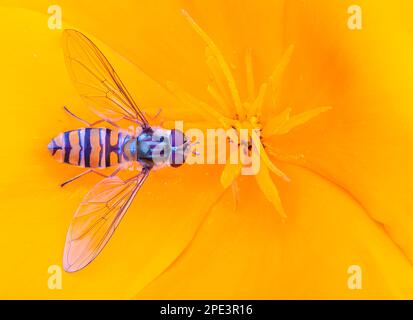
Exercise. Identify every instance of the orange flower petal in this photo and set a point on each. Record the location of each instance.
(249, 253)
(364, 143)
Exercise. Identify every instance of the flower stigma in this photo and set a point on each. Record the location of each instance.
(231, 113)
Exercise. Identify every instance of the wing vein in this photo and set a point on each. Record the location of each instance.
(91, 230)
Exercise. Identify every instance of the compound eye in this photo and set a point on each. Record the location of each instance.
(177, 140)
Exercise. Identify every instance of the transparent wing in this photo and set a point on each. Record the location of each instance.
(96, 80)
(97, 217)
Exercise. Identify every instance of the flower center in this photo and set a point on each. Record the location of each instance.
(257, 112)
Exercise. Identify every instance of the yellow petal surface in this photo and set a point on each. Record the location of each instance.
(364, 143)
(249, 253)
(349, 201)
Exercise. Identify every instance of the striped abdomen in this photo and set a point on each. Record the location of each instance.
(89, 147)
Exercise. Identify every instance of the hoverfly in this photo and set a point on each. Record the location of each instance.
(93, 147)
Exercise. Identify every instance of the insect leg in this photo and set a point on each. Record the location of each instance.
(154, 116)
(88, 123)
(144, 172)
(135, 121)
(108, 121)
(76, 177)
(80, 119)
(114, 173)
(87, 172)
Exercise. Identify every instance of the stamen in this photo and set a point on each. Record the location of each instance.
(231, 170)
(192, 102)
(295, 121)
(230, 173)
(221, 62)
(249, 74)
(274, 124)
(256, 107)
(301, 118)
(217, 76)
(218, 99)
(268, 162)
(270, 191)
(275, 78)
(280, 156)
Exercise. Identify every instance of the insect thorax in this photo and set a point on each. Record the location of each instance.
(152, 147)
